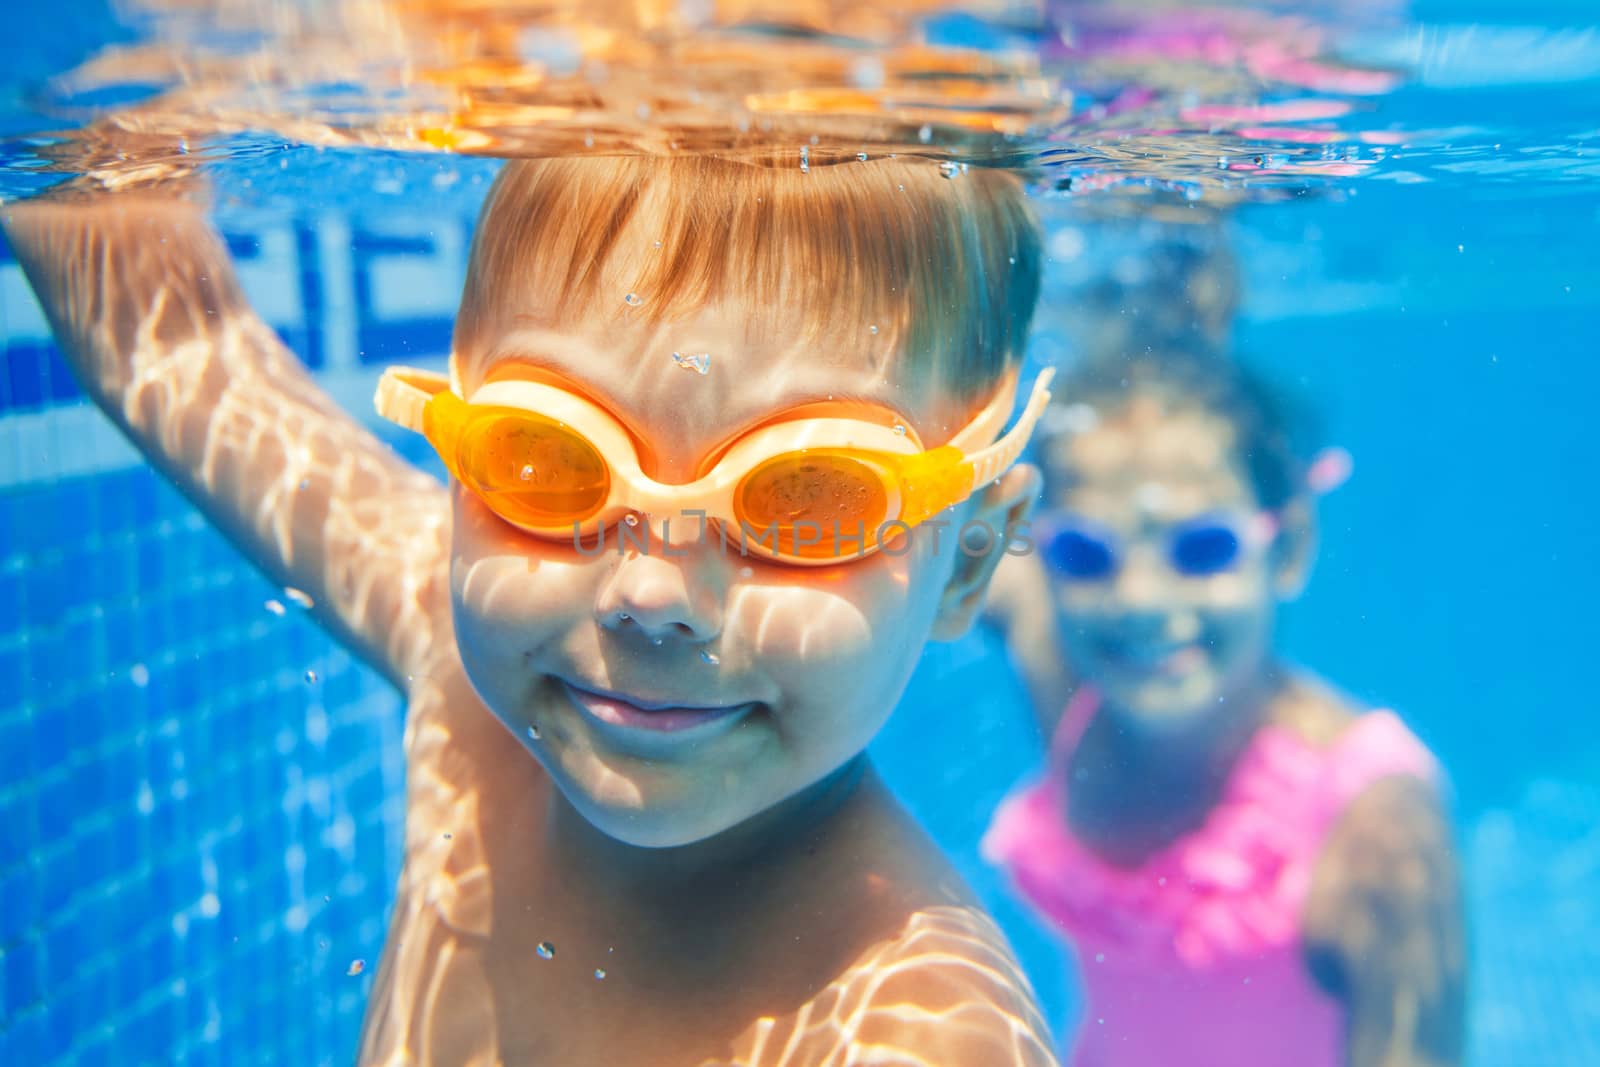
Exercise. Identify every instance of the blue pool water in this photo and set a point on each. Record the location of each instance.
(199, 813)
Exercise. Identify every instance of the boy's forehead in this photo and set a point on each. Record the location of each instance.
(724, 369)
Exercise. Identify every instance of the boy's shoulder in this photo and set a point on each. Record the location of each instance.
(946, 991)
(936, 981)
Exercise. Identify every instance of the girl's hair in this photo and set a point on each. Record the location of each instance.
(944, 260)
(1274, 432)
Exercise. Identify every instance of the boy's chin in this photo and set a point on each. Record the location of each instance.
(656, 829)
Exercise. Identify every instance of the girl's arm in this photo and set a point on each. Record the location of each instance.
(145, 305)
(1384, 929)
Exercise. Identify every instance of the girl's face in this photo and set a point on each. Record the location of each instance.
(1158, 627)
(672, 696)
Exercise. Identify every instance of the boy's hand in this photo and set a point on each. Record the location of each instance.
(109, 156)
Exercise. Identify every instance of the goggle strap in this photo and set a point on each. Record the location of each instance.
(986, 425)
(403, 394)
(989, 463)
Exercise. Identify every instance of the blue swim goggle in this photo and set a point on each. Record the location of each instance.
(1078, 549)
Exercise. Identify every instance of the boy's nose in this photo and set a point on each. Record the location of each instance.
(662, 598)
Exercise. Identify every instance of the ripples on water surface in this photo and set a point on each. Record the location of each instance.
(1218, 102)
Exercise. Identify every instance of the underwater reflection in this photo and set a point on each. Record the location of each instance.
(1226, 102)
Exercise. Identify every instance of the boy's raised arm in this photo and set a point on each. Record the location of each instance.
(147, 309)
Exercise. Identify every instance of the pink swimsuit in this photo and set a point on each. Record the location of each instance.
(1194, 957)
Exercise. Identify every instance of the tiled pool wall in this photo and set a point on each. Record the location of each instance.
(200, 795)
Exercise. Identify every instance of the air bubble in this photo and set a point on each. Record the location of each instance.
(355, 968)
(861, 157)
(274, 606)
(527, 472)
(805, 160)
(700, 362)
(546, 951)
(631, 519)
(599, 974)
(533, 733)
(899, 430)
(633, 300)
(873, 329)
(298, 597)
(710, 657)
(311, 677)
(925, 134)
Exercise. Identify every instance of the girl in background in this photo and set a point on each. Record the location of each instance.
(1254, 870)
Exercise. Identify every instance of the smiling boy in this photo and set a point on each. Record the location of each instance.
(641, 824)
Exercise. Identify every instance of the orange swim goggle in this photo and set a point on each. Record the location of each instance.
(559, 466)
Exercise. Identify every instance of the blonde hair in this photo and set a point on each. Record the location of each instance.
(945, 260)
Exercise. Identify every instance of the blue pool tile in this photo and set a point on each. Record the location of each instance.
(39, 521)
(150, 566)
(45, 595)
(57, 809)
(113, 573)
(11, 582)
(147, 1029)
(15, 669)
(22, 1039)
(19, 902)
(114, 507)
(149, 496)
(94, 852)
(16, 748)
(24, 974)
(63, 953)
(57, 873)
(98, 1050)
(50, 738)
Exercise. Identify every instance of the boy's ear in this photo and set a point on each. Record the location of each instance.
(1295, 548)
(1001, 508)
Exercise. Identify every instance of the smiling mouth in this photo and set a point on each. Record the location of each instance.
(1163, 660)
(633, 713)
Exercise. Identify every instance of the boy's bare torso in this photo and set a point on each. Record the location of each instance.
(836, 947)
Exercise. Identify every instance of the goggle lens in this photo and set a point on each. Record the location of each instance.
(533, 471)
(1198, 550)
(1078, 555)
(812, 502)
(1201, 551)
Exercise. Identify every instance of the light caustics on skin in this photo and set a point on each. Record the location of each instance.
(862, 1016)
